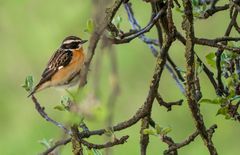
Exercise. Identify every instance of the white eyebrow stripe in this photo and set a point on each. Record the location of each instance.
(70, 41)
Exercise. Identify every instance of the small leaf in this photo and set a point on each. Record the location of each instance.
(149, 132)
(28, 85)
(222, 111)
(158, 129)
(96, 152)
(46, 143)
(214, 101)
(60, 108)
(179, 10)
(235, 98)
(195, 2)
(109, 132)
(90, 26)
(117, 21)
(65, 100)
(211, 59)
(166, 130)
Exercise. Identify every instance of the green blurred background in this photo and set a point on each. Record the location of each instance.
(31, 30)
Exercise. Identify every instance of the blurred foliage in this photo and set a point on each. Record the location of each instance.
(31, 30)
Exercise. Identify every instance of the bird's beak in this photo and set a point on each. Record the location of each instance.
(84, 41)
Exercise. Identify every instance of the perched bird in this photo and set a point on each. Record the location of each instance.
(64, 66)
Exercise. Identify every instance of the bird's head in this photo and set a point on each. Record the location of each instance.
(72, 42)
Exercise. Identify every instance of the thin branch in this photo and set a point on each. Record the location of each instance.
(122, 140)
(57, 144)
(167, 105)
(136, 26)
(95, 39)
(214, 9)
(188, 140)
(140, 32)
(212, 43)
(41, 111)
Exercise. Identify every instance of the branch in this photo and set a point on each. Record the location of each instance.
(122, 140)
(41, 111)
(212, 43)
(140, 32)
(207, 71)
(76, 141)
(214, 9)
(57, 144)
(95, 39)
(189, 140)
(167, 105)
(150, 43)
(190, 89)
(220, 51)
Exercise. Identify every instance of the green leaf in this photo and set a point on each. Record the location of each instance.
(235, 98)
(117, 21)
(222, 111)
(214, 101)
(166, 130)
(109, 132)
(90, 26)
(46, 143)
(65, 100)
(179, 10)
(149, 132)
(60, 108)
(158, 128)
(211, 59)
(199, 67)
(195, 2)
(96, 152)
(28, 84)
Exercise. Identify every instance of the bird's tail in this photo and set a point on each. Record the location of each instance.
(40, 86)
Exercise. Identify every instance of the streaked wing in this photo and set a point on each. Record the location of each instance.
(60, 59)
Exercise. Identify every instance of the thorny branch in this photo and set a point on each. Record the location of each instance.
(161, 17)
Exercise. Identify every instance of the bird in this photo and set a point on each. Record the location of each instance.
(63, 68)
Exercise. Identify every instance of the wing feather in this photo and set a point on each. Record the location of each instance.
(60, 59)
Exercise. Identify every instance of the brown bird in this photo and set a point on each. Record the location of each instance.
(64, 66)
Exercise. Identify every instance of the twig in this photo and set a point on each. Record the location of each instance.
(188, 140)
(57, 144)
(214, 9)
(136, 26)
(41, 111)
(212, 43)
(95, 39)
(122, 140)
(140, 32)
(167, 105)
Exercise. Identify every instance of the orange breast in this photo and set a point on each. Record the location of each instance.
(64, 74)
